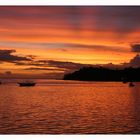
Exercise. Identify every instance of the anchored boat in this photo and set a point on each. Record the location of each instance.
(131, 84)
(26, 84)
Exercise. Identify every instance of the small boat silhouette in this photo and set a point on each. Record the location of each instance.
(26, 84)
(131, 84)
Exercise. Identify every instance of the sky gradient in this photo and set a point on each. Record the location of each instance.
(49, 41)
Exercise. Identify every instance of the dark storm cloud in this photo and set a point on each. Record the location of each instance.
(40, 68)
(135, 62)
(66, 65)
(37, 63)
(8, 56)
(48, 64)
(135, 48)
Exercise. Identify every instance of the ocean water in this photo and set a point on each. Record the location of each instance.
(69, 107)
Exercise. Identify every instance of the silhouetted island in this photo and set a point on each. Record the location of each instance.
(105, 74)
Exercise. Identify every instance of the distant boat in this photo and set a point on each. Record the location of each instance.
(26, 84)
(131, 84)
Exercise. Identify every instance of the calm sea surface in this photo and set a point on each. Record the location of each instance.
(69, 107)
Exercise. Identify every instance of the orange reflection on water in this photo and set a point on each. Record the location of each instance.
(70, 107)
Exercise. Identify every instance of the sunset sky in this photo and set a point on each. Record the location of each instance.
(49, 41)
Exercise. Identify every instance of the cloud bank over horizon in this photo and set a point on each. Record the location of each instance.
(57, 68)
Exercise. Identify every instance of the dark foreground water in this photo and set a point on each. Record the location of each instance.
(69, 107)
